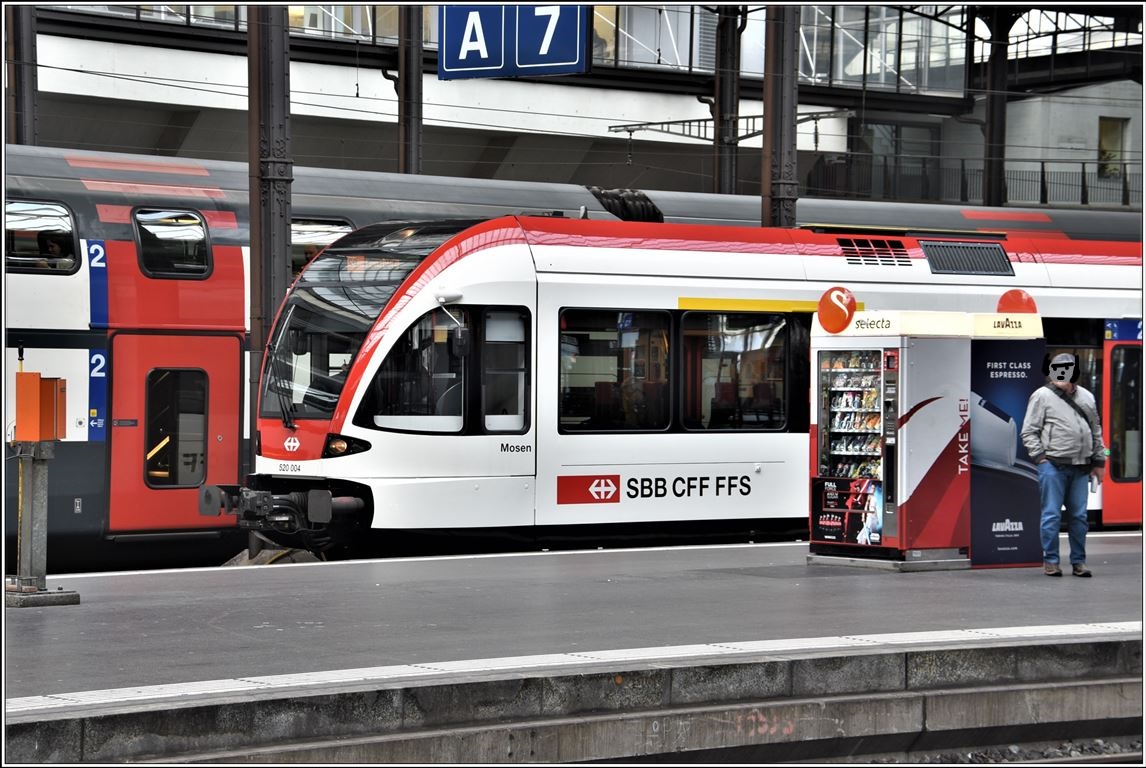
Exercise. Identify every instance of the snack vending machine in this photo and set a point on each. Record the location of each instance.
(891, 437)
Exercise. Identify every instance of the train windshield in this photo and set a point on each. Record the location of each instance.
(333, 305)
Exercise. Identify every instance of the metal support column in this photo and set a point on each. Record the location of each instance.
(726, 105)
(271, 172)
(994, 183)
(778, 184)
(20, 53)
(29, 587)
(409, 87)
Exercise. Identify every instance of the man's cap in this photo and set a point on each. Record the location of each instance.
(1063, 357)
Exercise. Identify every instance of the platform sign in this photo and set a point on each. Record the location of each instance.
(1124, 330)
(512, 40)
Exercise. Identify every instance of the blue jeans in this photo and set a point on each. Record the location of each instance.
(1058, 487)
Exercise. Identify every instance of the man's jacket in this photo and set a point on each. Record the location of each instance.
(1053, 429)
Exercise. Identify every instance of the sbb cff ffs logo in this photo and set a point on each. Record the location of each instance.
(588, 489)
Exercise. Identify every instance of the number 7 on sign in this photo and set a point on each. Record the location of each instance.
(554, 13)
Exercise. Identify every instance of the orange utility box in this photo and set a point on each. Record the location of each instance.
(41, 408)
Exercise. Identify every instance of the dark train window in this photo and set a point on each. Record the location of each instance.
(614, 370)
(734, 370)
(39, 238)
(420, 386)
(1126, 414)
(172, 244)
(176, 428)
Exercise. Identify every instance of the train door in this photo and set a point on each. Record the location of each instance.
(175, 425)
(1122, 423)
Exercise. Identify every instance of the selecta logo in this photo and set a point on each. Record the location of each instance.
(588, 489)
(291, 444)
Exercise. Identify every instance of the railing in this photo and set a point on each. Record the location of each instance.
(936, 179)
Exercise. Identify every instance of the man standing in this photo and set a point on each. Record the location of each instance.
(1062, 434)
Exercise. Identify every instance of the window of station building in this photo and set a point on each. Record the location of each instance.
(222, 16)
(1111, 146)
(604, 34)
(614, 370)
(1126, 414)
(734, 371)
(176, 428)
(172, 244)
(39, 237)
(420, 385)
(662, 35)
(505, 391)
(309, 236)
(386, 25)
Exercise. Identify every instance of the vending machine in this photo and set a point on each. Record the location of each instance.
(891, 437)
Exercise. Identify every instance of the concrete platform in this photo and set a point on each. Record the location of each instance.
(570, 656)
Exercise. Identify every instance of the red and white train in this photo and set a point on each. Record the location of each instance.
(546, 372)
(581, 340)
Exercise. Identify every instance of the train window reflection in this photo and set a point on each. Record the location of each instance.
(176, 447)
(734, 370)
(309, 236)
(39, 237)
(614, 370)
(172, 244)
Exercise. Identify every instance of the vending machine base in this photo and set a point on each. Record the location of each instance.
(915, 560)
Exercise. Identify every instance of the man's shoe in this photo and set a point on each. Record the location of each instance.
(1052, 569)
(1080, 569)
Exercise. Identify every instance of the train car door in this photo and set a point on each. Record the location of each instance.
(175, 425)
(1122, 422)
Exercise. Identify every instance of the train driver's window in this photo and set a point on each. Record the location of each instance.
(734, 368)
(176, 428)
(421, 382)
(503, 392)
(614, 367)
(172, 244)
(39, 237)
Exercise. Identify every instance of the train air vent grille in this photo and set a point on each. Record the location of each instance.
(967, 258)
(874, 253)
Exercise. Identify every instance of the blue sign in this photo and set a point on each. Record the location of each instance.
(1124, 330)
(512, 40)
(97, 395)
(97, 281)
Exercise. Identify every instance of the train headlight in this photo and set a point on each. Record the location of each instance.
(337, 445)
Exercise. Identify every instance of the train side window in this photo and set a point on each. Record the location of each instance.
(172, 244)
(39, 238)
(309, 236)
(734, 371)
(1126, 414)
(614, 370)
(504, 392)
(420, 385)
(176, 428)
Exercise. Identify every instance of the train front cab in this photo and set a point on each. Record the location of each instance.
(1122, 422)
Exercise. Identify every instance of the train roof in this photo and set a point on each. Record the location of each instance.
(367, 196)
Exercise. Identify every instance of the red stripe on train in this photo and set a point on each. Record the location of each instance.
(136, 188)
(1007, 215)
(221, 219)
(114, 214)
(136, 165)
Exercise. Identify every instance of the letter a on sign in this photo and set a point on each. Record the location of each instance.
(473, 39)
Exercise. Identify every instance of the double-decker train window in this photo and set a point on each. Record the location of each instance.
(309, 236)
(734, 370)
(504, 392)
(176, 428)
(172, 243)
(39, 237)
(614, 370)
(1126, 414)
